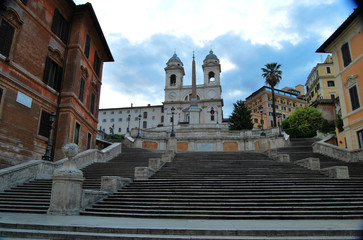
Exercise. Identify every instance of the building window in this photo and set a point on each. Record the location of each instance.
(119, 130)
(360, 138)
(212, 117)
(162, 119)
(92, 105)
(104, 120)
(256, 120)
(89, 139)
(81, 90)
(60, 26)
(52, 74)
(145, 114)
(112, 120)
(172, 80)
(211, 77)
(346, 54)
(87, 46)
(97, 64)
(328, 70)
(6, 37)
(136, 118)
(331, 84)
(44, 126)
(76, 133)
(120, 112)
(153, 117)
(104, 113)
(112, 112)
(128, 111)
(136, 111)
(270, 114)
(332, 95)
(120, 119)
(144, 124)
(354, 97)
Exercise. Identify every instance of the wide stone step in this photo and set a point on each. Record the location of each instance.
(171, 233)
(257, 216)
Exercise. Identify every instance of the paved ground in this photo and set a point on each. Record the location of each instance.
(180, 223)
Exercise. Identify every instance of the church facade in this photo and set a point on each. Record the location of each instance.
(179, 96)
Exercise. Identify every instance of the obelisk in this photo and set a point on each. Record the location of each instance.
(193, 109)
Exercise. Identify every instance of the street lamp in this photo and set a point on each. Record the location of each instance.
(128, 124)
(47, 151)
(172, 134)
(261, 111)
(138, 130)
(279, 116)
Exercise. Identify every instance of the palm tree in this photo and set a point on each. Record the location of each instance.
(272, 75)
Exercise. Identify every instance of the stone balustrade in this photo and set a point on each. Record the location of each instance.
(39, 169)
(339, 153)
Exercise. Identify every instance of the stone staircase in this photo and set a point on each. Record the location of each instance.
(235, 185)
(300, 148)
(34, 196)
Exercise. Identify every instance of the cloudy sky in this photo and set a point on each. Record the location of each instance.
(244, 34)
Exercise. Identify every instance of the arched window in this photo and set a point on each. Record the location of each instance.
(212, 114)
(211, 77)
(172, 80)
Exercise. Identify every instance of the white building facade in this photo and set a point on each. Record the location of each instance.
(121, 120)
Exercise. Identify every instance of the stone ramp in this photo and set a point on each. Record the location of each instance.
(38, 226)
(234, 185)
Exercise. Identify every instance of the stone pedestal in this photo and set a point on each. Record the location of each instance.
(113, 183)
(194, 113)
(66, 198)
(172, 144)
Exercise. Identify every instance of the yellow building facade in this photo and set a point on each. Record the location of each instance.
(346, 46)
(321, 82)
(261, 101)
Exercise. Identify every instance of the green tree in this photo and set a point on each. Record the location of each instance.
(241, 117)
(272, 76)
(304, 122)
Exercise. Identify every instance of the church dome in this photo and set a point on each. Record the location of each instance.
(174, 58)
(211, 55)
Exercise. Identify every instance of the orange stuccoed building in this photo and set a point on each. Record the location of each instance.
(346, 45)
(51, 60)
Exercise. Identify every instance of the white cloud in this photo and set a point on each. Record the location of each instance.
(226, 64)
(261, 21)
(116, 99)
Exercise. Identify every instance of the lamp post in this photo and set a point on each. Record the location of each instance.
(279, 116)
(261, 111)
(172, 134)
(47, 156)
(212, 112)
(138, 130)
(128, 124)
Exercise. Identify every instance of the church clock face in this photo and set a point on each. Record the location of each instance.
(172, 95)
(211, 94)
